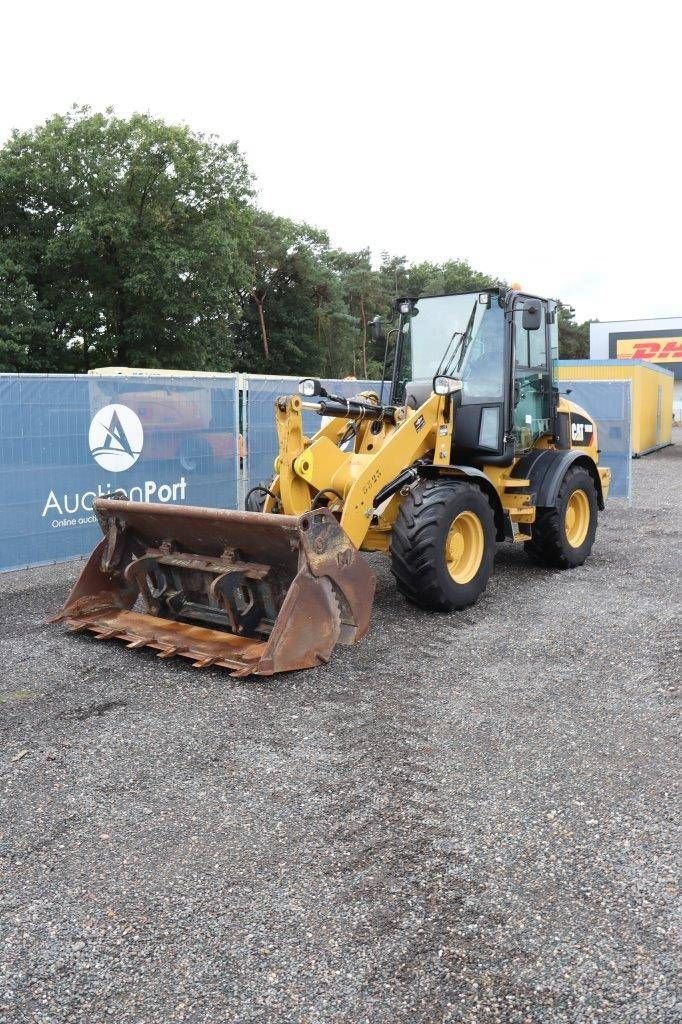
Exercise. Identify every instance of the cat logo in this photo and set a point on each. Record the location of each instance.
(581, 431)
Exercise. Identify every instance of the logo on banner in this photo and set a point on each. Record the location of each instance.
(116, 438)
(660, 350)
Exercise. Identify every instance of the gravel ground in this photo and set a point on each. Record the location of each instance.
(465, 818)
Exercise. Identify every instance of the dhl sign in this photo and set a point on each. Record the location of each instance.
(656, 350)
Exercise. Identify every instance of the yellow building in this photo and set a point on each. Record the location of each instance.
(652, 395)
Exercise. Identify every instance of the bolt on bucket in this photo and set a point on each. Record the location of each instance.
(248, 591)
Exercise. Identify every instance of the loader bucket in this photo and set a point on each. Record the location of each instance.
(248, 591)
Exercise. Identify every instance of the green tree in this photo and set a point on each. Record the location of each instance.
(400, 278)
(361, 290)
(574, 338)
(126, 241)
(293, 313)
(26, 331)
(134, 242)
(448, 278)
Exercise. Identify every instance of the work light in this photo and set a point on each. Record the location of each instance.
(446, 385)
(309, 386)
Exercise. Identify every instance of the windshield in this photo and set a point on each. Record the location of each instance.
(459, 336)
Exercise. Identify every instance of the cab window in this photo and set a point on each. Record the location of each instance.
(531, 349)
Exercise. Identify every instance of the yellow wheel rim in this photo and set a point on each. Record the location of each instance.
(577, 518)
(464, 546)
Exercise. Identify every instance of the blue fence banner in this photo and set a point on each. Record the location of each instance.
(64, 440)
(261, 437)
(609, 403)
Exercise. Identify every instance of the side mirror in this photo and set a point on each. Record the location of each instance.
(517, 393)
(532, 315)
(484, 299)
(377, 330)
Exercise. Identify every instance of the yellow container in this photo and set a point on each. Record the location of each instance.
(652, 395)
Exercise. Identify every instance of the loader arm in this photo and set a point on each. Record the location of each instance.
(307, 467)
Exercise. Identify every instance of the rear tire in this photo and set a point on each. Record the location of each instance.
(562, 537)
(443, 545)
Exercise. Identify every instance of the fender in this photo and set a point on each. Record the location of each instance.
(547, 467)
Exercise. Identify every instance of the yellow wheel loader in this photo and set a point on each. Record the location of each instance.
(467, 443)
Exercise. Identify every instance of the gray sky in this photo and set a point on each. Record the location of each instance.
(540, 141)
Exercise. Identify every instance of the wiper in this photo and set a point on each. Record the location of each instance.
(460, 348)
(445, 363)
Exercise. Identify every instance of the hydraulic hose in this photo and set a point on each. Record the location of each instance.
(403, 479)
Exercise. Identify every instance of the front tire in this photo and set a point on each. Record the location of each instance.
(562, 537)
(443, 545)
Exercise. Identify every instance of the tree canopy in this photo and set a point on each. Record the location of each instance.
(574, 338)
(128, 241)
(121, 241)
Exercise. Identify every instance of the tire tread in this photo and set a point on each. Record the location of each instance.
(415, 545)
(546, 546)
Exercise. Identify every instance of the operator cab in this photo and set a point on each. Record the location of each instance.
(478, 337)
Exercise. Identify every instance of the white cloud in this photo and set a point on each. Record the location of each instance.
(540, 141)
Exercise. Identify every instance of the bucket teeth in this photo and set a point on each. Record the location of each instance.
(170, 652)
(140, 642)
(107, 634)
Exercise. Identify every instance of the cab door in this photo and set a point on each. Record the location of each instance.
(532, 373)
